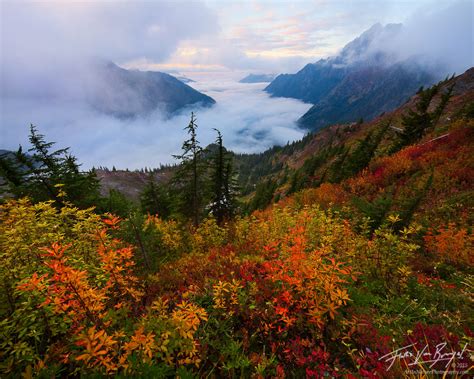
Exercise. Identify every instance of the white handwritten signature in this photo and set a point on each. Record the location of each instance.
(424, 355)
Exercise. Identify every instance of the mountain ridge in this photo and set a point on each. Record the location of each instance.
(361, 81)
(130, 93)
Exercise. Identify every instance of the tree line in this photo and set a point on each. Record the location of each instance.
(203, 184)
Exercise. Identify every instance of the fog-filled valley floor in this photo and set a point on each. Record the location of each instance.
(249, 118)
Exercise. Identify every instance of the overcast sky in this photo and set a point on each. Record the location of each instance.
(268, 35)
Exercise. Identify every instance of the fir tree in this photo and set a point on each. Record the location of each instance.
(222, 205)
(155, 198)
(417, 121)
(377, 210)
(39, 174)
(189, 178)
(364, 152)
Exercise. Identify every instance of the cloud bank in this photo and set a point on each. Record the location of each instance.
(46, 46)
(249, 119)
(434, 37)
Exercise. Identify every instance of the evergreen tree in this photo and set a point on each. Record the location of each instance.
(263, 195)
(117, 203)
(364, 152)
(39, 174)
(156, 198)
(189, 178)
(377, 210)
(410, 205)
(417, 121)
(336, 172)
(222, 205)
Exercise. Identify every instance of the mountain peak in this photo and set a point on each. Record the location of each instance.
(368, 43)
(361, 81)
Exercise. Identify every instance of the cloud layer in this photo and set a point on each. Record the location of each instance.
(249, 119)
(42, 42)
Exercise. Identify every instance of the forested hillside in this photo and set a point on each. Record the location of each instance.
(322, 258)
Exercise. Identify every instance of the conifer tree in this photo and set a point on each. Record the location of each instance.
(222, 205)
(189, 178)
(364, 152)
(417, 121)
(38, 174)
(155, 198)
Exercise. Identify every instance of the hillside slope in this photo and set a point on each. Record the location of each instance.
(360, 82)
(372, 253)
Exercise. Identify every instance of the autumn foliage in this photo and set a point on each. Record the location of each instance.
(309, 287)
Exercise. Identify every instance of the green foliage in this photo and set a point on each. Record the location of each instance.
(416, 122)
(189, 179)
(43, 174)
(156, 199)
(223, 193)
(361, 156)
(263, 195)
(116, 203)
(377, 210)
(336, 171)
(409, 206)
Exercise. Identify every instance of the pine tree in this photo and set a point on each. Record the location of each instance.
(364, 152)
(411, 204)
(417, 121)
(189, 178)
(336, 172)
(39, 173)
(222, 205)
(376, 210)
(155, 198)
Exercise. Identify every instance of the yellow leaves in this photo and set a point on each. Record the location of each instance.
(226, 294)
(169, 230)
(160, 307)
(98, 350)
(141, 343)
(188, 317)
(393, 219)
(208, 235)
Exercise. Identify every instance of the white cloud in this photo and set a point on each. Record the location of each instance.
(43, 44)
(441, 35)
(249, 119)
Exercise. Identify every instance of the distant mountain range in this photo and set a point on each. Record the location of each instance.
(362, 81)
(280, 163)
(129, 93)
(258, 78)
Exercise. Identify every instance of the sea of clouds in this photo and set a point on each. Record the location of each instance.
(248, 118)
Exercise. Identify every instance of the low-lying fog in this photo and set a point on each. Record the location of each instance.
(248, 118)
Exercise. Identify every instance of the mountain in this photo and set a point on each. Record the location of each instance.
(185, 79)
(362, 81)
(257, 78)
(129, 93)
(307, 162)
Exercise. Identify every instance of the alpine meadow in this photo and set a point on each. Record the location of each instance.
(237, 189)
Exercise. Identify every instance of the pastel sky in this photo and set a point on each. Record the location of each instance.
(260, 36)
(281, 36)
